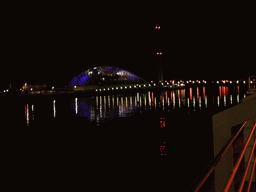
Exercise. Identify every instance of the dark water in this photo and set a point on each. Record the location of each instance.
(157, 138)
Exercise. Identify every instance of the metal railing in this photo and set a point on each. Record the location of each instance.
(210, 168)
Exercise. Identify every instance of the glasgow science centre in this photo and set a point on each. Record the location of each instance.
(96, 79)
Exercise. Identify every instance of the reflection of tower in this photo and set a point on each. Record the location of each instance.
(159, 54)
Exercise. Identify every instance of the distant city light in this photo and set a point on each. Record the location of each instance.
(157, 27)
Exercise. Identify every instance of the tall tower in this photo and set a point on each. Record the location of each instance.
(159, 55)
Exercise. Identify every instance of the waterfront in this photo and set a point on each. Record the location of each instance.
(122, 133)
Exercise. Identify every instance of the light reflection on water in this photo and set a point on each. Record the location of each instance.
(105, 107)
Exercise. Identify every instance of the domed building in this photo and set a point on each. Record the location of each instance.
(106, 75)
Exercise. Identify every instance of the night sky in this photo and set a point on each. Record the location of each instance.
(53, 43)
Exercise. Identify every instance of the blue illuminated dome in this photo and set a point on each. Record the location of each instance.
(106, 75)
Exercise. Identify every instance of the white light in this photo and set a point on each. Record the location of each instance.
(30, 89)
(76, 105)
(108, 88)
(230, 82)
(112, 88)
(95, 68)
(244, 82)
(4, 91)
(96, 89)
(186, 81)
(104, 89)
(125, 87)
(237, 81)
(193, 81)
(54, 109)
(130, 87)
(224, 82)
(134, 86)
(100, 90)
(121, 87)
(74, 86)
(154, 84)
(144, 85)
(52, 87)
(199, 82)
(218, 82)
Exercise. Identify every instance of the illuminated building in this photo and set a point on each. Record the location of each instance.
(105, 75)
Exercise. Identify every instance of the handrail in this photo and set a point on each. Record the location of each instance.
(201, 180)
(231, 178)
(247, 167)
(250, 180)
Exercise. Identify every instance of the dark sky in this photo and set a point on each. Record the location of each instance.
(53, 43)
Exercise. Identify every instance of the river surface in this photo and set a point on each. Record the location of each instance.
(159, 138)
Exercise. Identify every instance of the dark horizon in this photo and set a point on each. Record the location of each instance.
(52, 48)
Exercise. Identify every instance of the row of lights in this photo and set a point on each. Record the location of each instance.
(125, 87)
(199, 82)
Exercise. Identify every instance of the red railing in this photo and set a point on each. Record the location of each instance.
(201, 180)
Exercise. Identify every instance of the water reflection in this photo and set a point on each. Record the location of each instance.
(162, 149)
(27, 114)
(105, 107)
